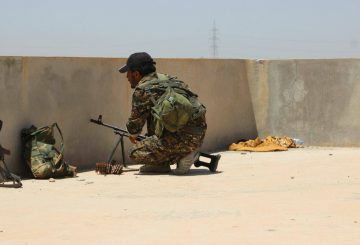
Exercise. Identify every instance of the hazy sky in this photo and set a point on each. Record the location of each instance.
(246, 29)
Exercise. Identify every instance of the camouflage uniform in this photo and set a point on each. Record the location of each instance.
(170, 147)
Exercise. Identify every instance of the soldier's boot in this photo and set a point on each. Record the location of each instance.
(148, 168)
(185, 163)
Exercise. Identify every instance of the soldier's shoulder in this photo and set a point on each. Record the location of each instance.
(164, 77)
(152, 81)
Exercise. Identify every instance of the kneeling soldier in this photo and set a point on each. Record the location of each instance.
(175, 118)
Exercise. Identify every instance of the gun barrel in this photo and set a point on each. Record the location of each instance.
(116, 129)
(99, 122)
(95, 121)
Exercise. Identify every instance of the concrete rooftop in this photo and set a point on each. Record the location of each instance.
(303, 196)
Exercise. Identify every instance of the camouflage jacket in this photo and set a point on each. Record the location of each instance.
(142, 103)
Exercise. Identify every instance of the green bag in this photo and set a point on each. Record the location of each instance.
(175, 107)
(40, 154)
(171, 111)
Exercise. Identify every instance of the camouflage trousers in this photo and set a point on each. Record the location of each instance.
(168, 149)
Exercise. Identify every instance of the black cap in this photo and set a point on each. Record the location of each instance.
(136, 60)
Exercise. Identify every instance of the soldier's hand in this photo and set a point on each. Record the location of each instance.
(133, 138)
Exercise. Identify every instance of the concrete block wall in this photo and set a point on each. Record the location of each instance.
(43, 90)
(317, 101)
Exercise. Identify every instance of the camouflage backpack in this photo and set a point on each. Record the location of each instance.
(40, 154)
(175, 107)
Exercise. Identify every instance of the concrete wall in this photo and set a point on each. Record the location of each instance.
(40, 91)
(314, 100)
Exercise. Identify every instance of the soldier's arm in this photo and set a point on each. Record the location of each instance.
(141, 106)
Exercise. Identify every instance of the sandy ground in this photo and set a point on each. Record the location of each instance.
(303, 196)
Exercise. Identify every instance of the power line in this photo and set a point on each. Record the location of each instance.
(214, 41)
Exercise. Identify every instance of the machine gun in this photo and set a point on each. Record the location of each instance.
(121, 133)
(5, 174)
(212, 165)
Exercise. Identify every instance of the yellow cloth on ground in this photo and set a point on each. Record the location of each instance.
(270, 143)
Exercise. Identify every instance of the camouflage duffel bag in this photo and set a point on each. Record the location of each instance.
(40, 154)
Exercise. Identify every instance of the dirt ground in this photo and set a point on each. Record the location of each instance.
(303, 196)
